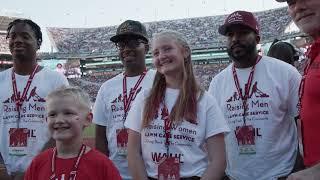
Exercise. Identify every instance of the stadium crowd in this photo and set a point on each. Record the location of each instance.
(4, 48)
(200, 32)
(92, 82)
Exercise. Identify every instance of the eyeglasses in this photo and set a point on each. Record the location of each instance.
(132, 43)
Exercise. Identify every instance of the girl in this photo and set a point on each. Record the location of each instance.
(178, 125)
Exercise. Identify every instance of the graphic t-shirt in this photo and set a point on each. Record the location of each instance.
(272, 106)
(310, 112)
(108, 111)
(187, 139)
(18, 147)
(92, 166)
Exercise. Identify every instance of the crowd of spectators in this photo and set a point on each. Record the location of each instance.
(205, 72)
(100, 77)
(4, 47)
(90, 87)
(201, 32)
(92, 82)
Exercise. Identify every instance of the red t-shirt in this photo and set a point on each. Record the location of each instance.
(310, 113)
(93, 166)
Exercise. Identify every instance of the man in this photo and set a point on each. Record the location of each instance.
(23, 127)
(257, 95)
(283, 51)
(306, 15)
(116, 95)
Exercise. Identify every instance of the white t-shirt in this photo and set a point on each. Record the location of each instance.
(187, 142)
(108, 111)
(32, 116)
(272, 107)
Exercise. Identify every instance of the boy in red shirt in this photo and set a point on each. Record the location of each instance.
(68, 113)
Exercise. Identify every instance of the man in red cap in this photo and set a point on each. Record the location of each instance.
(306, 15)
(257, 95)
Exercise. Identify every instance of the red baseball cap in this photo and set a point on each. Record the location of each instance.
(240, 18)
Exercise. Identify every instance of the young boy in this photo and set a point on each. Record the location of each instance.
(68, 113)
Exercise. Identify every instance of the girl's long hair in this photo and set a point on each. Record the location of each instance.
(186, 104)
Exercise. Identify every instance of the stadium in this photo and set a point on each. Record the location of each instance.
(91, 50)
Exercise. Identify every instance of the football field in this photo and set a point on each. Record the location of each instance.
(89, 134)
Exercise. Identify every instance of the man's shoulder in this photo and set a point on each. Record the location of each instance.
(5, 73)
(111, 86)
(270, 61)
(277, 65)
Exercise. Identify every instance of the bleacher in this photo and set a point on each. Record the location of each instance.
(4, 46)
(201, 33)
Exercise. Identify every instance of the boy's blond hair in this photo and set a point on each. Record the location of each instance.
(72, 91)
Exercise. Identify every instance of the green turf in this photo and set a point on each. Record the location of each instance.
(89, 131)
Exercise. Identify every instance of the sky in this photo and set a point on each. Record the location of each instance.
(99, 13)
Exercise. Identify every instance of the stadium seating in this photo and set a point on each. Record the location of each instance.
(4, 47)
(200, 32)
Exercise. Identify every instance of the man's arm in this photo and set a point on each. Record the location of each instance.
(101, 140)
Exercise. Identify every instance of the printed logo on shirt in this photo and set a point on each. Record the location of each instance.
(117, 109)
(32, 110)
(19, 138)
(255, 91)
(118, 99)
(256, 132)
(32, 95)
(182, 134)
(257, 105)
(157, 157)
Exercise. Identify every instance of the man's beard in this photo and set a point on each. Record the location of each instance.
(248, 49)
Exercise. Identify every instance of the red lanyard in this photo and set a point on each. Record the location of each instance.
(73, 173)
(127, 100)
(167, 125)
(17, 98)
(244, 97)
